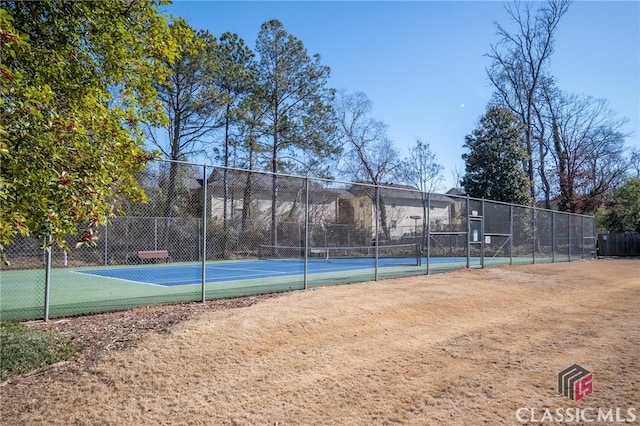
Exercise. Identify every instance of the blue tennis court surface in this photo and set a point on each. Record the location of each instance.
(177, 275)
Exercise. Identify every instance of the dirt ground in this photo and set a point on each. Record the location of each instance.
(462, 348)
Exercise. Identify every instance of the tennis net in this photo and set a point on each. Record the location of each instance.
(388, 255)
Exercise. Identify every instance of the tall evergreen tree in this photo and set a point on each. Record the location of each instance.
(493, 165)
(297, 100)
(235, 80)
(192, 106)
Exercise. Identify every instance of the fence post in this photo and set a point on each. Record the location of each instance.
(482, 234)
(468, 234)
(106, 246)
(375, 250)
(594, 253)
(306, 231)
(47, 279)
(582, 231)
(204, 231)
(428, 250)
(510, 234)
(533, 234)
(553, 237)
(569, 235)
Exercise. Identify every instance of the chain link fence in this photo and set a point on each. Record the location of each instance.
(209, 232)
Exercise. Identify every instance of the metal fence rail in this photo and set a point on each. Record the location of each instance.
(200, 234)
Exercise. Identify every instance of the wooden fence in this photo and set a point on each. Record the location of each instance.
(618, 244)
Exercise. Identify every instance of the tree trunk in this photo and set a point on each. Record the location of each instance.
(527, 138)
(274, 190)
(383, 219)
(225, 236)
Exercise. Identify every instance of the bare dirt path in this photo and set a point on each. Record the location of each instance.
(468, 347)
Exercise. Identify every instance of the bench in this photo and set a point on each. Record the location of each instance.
(153, 254)
(319, 253)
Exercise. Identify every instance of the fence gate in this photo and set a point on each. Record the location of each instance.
(475, 247)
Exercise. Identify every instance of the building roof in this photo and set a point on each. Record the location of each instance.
(457, 191)
(261, 181)
(406, 192)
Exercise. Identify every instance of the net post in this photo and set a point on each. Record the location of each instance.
(204, 231)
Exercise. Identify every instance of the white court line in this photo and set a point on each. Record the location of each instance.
(176, 282)
(116, 278)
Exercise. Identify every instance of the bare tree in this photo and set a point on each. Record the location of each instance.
(422, 171)
(634, 162)
(587, 144)
(370, 155)
(421, 168)
(456, 175)
(520, 61)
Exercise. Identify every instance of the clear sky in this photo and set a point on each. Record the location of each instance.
(422, 63)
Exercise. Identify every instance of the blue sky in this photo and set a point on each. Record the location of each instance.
(422, 63)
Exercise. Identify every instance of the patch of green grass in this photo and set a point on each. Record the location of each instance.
(24, 349)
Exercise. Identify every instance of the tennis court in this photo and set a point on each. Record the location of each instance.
(75, 291)
(171, 275)
(217, 272)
